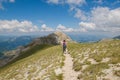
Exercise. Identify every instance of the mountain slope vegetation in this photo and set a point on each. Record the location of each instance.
(93, 61)
(96, 61)
(9, 43)
(40, 66)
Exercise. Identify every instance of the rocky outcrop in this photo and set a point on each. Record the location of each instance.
(62, 36)
(54, 39)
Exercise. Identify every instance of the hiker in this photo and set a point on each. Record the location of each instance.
(64, 46)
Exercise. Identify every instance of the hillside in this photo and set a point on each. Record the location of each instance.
(96, 61)
(90, 61)
(117, 37)
(36, 44)
(40, 66)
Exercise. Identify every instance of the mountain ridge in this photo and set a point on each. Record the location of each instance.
(117, 37)
(91, 61)
(52, 39)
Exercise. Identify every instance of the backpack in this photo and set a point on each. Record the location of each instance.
(64, 44)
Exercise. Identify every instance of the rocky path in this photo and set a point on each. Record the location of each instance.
(68, 72)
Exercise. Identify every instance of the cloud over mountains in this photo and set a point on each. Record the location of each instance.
(28, 26)
(96, 18)
(17, 26)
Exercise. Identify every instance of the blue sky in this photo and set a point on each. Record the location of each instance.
(81, 16)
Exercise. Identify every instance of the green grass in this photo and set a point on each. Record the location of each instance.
(60, 77)
(76, 66)
(27, 53)
(96, 51)
(39, 62)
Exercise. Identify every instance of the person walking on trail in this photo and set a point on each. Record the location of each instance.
(64, 46)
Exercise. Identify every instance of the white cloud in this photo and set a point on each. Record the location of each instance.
(44, 27)
(98, 1)
(70, 30)
(17, 26)
(60, 27)
(53, 1)
(98, 19)
(69, 2)
(80, 14)
(83, 30)
(9, 26)
(86, 25)
(12, 1)
(105, 18)
(75, 2)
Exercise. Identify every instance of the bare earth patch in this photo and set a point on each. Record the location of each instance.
(68, 72)
(109, 73)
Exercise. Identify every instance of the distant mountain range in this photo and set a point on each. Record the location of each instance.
(86, 37)
(117, 37)
(9, 43)
(12, 42)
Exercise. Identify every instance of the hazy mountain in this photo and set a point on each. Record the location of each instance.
(12, 42)
(117, 37)
(87, 37)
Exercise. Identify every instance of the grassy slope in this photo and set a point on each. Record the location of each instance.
(27, 53)
(91, 59)
(39, 66)
(88, 58)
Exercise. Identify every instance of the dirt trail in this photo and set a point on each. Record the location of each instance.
(68, 72)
